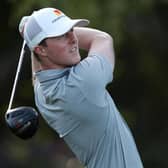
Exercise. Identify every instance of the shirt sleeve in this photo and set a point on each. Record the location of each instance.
(92, 75)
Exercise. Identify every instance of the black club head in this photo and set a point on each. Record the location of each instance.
(23, 121)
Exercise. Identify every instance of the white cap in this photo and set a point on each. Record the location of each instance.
(45, 23)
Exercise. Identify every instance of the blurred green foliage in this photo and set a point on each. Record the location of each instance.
(139, 88)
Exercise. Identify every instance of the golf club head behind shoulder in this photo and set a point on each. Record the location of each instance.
(23, 121)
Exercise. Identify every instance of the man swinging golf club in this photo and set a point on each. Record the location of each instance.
(71, 94)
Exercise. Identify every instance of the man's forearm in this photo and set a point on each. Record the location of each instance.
(86, 36)
(96, 41)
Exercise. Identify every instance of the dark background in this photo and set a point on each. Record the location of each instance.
(139, 88)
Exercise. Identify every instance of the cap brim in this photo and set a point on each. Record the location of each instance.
(67, 25)
(81, 22)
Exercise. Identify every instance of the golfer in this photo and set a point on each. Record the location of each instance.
(70, 92)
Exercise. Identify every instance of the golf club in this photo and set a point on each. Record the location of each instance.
(22, 121)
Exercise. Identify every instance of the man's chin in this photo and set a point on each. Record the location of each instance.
(76, 60)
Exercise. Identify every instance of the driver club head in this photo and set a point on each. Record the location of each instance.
(23, 121)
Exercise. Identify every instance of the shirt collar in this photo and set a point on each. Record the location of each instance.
(50, 74)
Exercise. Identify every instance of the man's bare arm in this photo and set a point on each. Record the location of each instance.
(96, 41)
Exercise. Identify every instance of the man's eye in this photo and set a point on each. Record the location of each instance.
(60, 37)
(65, 35)
(72, 30)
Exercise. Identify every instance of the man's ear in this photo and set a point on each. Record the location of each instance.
(40, 50)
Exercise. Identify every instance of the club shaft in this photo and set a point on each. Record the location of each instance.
(17, 75)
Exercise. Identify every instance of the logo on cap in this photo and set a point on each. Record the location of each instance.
(57, 12)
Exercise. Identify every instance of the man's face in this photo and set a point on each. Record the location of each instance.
(62, 51)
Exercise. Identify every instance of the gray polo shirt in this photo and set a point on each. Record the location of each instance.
(76, 104)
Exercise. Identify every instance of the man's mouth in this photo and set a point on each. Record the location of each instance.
(73, 49)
